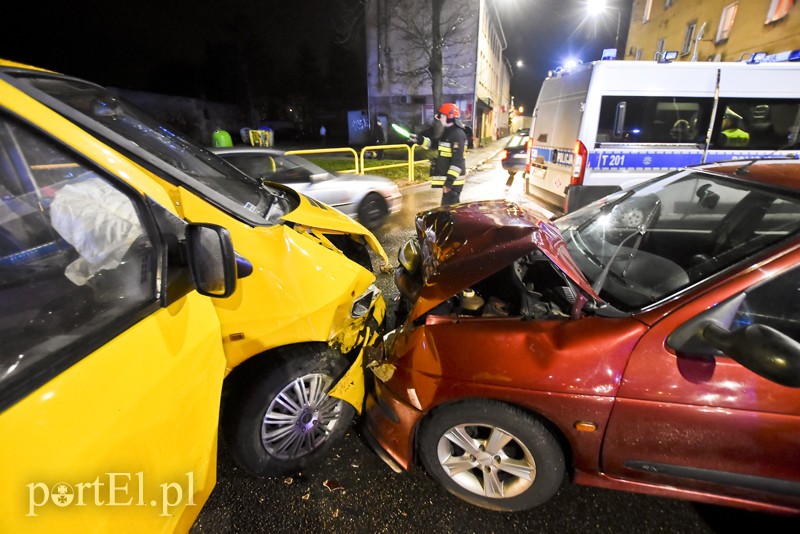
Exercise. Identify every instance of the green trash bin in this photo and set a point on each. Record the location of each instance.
(221, 138)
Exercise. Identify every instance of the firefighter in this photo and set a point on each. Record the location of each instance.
(449, 169)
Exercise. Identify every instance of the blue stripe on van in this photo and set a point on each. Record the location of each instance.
(631, 160)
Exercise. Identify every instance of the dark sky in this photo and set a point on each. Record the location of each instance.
(545, 33)
(172, 46)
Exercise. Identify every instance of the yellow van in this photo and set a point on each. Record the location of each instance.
(298, 322)
(112, 365)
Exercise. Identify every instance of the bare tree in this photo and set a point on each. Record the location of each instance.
(433, 42)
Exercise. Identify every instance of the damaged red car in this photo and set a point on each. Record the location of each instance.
(649, 342)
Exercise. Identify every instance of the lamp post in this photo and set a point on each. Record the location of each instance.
(597, 7)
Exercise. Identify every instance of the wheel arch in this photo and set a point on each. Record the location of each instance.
(256, 366)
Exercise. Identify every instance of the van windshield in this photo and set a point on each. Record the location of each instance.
(199, 169)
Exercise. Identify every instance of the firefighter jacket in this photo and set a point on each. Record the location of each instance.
(449, 167)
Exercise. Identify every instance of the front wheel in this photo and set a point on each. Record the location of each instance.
(279, 419)
(492, 455)
(372, 212)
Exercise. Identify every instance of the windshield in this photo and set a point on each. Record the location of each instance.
(199, 169)
(642, 245)
(518, 139)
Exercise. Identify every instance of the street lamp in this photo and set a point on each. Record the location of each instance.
(598, 7)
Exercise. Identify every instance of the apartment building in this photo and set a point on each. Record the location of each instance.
(475, 73)
(714, 30)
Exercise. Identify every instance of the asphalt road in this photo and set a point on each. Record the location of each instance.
(353, 491)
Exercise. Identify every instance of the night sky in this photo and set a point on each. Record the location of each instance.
(205, 49)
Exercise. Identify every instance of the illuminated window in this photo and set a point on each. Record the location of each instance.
(778, 9)
(726, 22)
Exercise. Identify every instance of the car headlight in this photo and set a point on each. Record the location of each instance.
(362, 304)
(408, 255)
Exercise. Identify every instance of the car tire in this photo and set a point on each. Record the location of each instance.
(372, 211)
(278, 418)
(492, 455)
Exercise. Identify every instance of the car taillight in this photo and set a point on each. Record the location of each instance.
(579, 156)
(505, 154)
(528, 149)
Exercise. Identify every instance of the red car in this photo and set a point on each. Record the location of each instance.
(649, 342)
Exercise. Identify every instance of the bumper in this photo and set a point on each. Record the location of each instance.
(395, 203)
(390, 424)
(351, 386)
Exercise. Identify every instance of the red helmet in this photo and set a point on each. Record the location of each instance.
(450, 111)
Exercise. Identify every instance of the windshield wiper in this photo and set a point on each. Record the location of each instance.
(598, 284)
(640, 233)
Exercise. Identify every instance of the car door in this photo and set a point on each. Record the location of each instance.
(112, 367)
(690, 417)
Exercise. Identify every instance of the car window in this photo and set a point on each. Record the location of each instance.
(76, 263)
(756, 124)
(254, 165)
(145, 138)
(646, 243)
(775, 303)
(651, 119)
(518, 139)
(291, 161)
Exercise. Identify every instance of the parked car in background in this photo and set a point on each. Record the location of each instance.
(648, 342)
(515, 154)
(112, 364)
(370, 199)
(295, 329)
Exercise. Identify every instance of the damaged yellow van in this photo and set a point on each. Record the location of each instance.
(297, 323)
(111, 364)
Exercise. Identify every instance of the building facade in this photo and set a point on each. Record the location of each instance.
(713, 30)
(476, 75)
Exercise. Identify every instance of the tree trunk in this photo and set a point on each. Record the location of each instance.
(435, 65)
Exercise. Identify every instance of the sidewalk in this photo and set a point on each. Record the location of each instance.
(477, 156)
(474, 158)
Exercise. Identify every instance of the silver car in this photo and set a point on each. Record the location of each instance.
(369, 198)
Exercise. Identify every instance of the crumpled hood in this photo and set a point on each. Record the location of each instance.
(314, 214)
(464, 244)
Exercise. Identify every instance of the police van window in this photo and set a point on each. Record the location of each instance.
(76, 264)
(756, 124)
(659, 120)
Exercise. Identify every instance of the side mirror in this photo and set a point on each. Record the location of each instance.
(762, 349)
(212, 260)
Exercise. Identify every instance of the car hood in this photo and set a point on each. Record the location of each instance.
(464, 244)
(314, 214)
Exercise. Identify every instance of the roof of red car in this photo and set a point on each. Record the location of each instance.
(784, 173)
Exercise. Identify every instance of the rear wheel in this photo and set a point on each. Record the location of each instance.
(492, 455)
(279, 419)
(373, 211)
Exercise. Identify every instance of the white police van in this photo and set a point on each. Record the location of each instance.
(607, 125)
